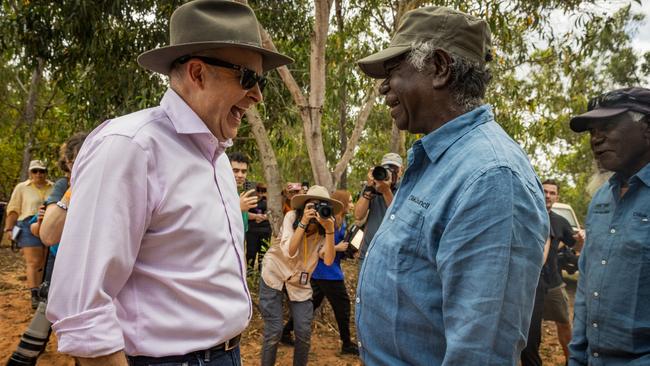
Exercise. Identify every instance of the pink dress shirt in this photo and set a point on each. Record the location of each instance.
(151, 258)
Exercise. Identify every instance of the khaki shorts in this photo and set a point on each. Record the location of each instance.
(556, 305)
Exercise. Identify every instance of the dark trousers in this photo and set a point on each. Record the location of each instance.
(338, 297)
(530, 354)
(256, 244)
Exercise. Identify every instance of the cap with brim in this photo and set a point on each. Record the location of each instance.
(580, 123)
(36, 164)
(451, 30)
(202, 25)
(316, 193)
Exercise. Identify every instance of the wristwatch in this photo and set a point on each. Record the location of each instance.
(62, 205)
(303, 226)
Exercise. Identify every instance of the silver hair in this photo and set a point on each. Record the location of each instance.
(468, 79)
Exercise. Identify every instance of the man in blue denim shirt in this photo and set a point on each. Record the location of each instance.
(612, 308)
(450, 276)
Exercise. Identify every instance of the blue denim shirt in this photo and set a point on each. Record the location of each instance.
(612, 308)
(450, 276)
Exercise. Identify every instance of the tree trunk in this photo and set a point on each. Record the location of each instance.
(314, 111)
(29, 116)
(270, 168)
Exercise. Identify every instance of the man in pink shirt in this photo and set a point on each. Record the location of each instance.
(150, 269)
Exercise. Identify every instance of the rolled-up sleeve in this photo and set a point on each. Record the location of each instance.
(287, 233)
(489, 260)
(105, 224)
(16, 201)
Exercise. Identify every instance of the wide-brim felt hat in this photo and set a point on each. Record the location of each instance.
(209, 24)
(317, 193)
(451, 30)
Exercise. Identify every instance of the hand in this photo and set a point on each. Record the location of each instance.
(309, 214)
(371, 180)
(247, 201)
(342, 246)
(326, 223)
(384, 185)
(8, 236)
(41, 213)
(260, 218)
(580, 239)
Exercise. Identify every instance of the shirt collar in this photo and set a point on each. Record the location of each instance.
(438, 141)
(186, 121)
(643, 175)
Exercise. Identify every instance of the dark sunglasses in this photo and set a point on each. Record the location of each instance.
(248, 78)
(609, 99)
(261, 190)
(39, 171)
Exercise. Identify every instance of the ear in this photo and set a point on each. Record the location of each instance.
(195, 72)
(441, 71)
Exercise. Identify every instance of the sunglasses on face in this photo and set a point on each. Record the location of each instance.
(261, 190)
(609, 99)
(39, 171)
(248, 78)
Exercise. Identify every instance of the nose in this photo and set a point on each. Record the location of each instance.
(255, 94)
(597, 137)
(384, 87)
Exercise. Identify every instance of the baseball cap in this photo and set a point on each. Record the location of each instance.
(392, 159)
(451, 30)
(36, 164)
(611, 104)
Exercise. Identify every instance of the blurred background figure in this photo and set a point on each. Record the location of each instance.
(25, 201)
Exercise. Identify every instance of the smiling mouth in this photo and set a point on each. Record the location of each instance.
(237, 112)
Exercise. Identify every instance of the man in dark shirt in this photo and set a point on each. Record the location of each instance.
(375, 199)
(556, 300)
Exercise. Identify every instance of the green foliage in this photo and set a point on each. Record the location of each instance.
(542, 76)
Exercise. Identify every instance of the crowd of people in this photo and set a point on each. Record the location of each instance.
(458, 263)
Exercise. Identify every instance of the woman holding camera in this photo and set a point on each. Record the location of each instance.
(307, 234)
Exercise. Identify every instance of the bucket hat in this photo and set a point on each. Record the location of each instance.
(392, 159)
(611, 104)
(318, 193)
(451, 30)
(208, 24)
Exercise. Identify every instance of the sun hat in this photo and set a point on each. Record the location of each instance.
(318, 193)
(208, 24)
(36, 164)
(611, 104)
(392, 159)
(294, 187)
(451, 30)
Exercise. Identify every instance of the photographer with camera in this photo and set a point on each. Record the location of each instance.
(328, 281)
(307, 235)
(247, 199)
(376, 196)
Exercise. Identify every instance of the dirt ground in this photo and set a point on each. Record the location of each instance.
(15, 315)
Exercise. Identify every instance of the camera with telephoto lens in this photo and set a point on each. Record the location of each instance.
(324, 209)
(379, 173)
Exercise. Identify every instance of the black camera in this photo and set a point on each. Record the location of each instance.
(379, 173)
(324, 209)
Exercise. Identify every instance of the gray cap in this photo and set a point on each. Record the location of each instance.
(392, 159)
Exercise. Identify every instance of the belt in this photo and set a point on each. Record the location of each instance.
(205, 354)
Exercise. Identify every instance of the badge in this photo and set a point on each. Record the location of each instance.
(304, 278)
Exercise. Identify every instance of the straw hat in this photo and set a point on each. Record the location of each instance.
(318, 193)
(208, 24)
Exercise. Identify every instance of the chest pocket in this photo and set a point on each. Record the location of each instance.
(400, 240)
(636, 240)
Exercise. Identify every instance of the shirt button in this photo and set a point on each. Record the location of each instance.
(595, 354)
(358, 300)
(613, 231)
(603, 262)
(595, 325)
(359, 344)
(596, 294)
(392, 217)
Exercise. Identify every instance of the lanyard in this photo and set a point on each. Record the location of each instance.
(304, 250)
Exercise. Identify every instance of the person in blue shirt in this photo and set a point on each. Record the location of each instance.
(611, 324)
(450, 276)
